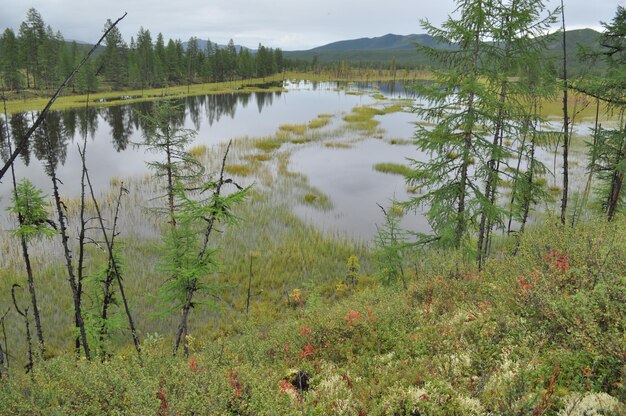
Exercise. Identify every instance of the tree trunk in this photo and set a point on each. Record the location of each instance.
(25, 255)
(490, 187)
(565, 126)
(616, 188)
(78, 317)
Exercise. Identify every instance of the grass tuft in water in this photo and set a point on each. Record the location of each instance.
(293, 128)
(392, 168)
(319, 122)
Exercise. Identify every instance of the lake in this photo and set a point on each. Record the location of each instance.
(345, 174)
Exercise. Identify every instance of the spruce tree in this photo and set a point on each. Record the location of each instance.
(10, 60)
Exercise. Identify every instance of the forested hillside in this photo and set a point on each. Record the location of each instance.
(36, 57)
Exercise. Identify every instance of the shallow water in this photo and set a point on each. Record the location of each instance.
(355, 188)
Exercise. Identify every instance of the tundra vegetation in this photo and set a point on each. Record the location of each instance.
(197, 290)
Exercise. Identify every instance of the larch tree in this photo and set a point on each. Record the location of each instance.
(474, 106)
(609, 150)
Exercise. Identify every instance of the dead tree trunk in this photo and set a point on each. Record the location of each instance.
(78, 316)
(116, 270)
(3, 350)
(107, 288)
(24, 314)
(566, 135)
(25, 255)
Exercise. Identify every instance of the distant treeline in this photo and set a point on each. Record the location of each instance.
(39, 58)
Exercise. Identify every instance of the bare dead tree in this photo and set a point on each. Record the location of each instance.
(82, 222)
(60, 208)
(24, 141)
(248, 295)
(3, 352)
(566, 132)
(112, 260)
(24, 314)
(107, 284)
(25, 254)
(5, 339)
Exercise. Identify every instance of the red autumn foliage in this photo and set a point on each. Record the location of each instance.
(163, 400)
(524, 285)
(305, 331)
(351, 318)
(558, 261)
(193, 364)
(290, 390)
(307, 350)
(234, 382)
(527, 283)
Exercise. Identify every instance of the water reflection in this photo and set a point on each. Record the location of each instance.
(50, 142)
(19, 127)
(216, 117)
(125, 120)
(120, 122)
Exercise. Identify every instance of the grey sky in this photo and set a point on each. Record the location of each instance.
(287, 24)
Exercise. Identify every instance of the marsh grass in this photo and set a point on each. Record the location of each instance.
(240, 170)
(198, 151)
(298, 129)
(392, 168)
(321, 121)
(362, 117)
(316, 198)
(269, 144)
(259, 157)
(400, 142)
(338, 145)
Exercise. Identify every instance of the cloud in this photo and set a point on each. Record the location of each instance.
(288, 24)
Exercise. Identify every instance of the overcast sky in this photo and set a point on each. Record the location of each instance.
(286, 24)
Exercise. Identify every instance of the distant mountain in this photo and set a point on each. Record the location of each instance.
(202, 45)
(381, 50)
(375, 50)
(388, 41)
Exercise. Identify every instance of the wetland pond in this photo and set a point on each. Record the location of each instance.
(338, 165)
